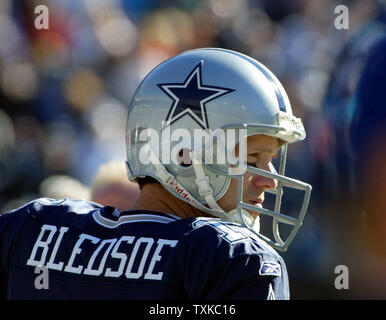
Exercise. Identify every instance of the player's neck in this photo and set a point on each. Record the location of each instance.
(154, 197)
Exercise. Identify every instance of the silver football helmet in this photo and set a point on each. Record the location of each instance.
(198, 106)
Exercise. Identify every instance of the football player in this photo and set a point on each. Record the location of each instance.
(203, 129)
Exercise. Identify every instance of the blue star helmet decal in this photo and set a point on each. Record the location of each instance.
(190, 98)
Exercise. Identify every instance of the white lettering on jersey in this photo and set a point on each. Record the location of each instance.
(156, 257)
(77, 250)
(136, 275)
(39, 243)
(96, 272)
(131, 252)
(119, 255)
(51, 264)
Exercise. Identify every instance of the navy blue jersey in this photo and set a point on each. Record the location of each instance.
(72, 249)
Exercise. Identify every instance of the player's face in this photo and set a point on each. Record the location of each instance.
(261, 149)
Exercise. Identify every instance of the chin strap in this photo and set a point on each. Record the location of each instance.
(205, 190)
(202, 182)
(203, 185)
(240, 216)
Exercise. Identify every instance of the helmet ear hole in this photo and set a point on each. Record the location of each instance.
(184, 158)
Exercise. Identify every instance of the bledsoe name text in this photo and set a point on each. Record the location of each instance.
(114, 257)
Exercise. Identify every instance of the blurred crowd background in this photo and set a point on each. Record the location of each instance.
(64, 94)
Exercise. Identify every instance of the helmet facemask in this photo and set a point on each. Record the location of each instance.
(236, 169)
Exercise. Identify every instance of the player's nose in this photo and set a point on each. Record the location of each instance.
(261, 182)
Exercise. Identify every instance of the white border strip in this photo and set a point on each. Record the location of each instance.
(130, 219)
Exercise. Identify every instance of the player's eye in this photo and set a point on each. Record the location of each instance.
(251, 161)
